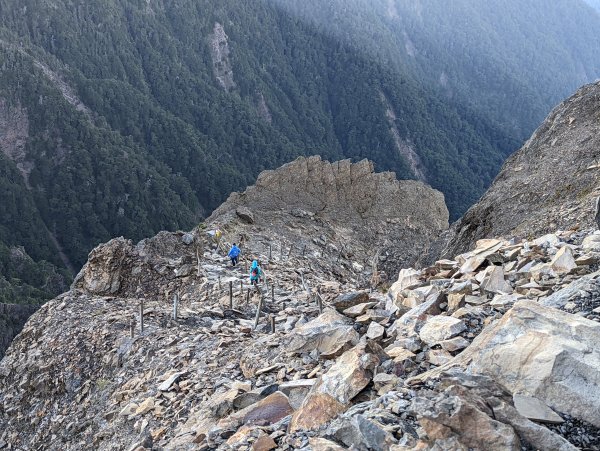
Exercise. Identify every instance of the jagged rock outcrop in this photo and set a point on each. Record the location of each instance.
(347, 208)
(552, 183)
(542, 352)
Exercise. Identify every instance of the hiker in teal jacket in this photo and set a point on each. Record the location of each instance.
(255, 273)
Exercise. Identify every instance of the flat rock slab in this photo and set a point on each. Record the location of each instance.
(535, 409)
(440, 328)
(347, 300)
(270, 410)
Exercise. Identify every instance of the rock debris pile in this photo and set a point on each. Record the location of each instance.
(450, 358)
(163, 345)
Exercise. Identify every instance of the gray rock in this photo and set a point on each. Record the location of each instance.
(542, 352)
(536, 410)
(187, 239)
(564, 295)
(347, 300)
(245, 214)
(330, 334)
(361, 433)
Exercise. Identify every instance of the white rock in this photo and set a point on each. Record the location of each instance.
(550, 240)
(493, 281)
(563, 262)
(535, 409)
(375, 331)
(440, 328)
(591, 243)
(408, 278)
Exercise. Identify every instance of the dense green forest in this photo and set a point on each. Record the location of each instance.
(509, 61)
(134, 116)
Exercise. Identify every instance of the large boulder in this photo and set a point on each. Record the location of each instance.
(447, 414)
(542, 352)
(334, 390)
(102, 273)
(330, 333)
(465, 412)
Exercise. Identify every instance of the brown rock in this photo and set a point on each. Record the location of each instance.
(270, 410)
(316, 410)
(455, 301)
(334, 390)
(264, 443)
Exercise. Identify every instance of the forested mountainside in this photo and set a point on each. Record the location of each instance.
(508, 60)
(126, 117)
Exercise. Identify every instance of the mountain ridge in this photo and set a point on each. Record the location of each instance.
(135, 134)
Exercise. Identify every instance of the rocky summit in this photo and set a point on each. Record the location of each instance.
(164, 345)
(341, 208)
(552, 183)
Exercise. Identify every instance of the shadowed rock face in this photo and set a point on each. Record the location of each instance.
(552, 183)
(350, 203)
(12, 319)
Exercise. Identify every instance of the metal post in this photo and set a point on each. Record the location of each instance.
(281, 251)
(219, 284)
(272, 319)
(260, 304)
(198, 259)
(273, 291)
(141, 316)
(270, 251)
(230, 295)
(248, 296)
(306, 288)
(320, 302)
(290, 252)
(131, 328)
(241, 288)
(175, 306)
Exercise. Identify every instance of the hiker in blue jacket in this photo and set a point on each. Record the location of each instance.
(255, 273)
(234, 254)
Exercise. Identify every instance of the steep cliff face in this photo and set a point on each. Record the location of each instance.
(552, 183)
(12, 320)
(373, 216)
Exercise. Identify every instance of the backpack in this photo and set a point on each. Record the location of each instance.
(254, 272)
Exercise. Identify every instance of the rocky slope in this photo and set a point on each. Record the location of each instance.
(340, 208)
(159, 346)
(377, 371)
(552, 183)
